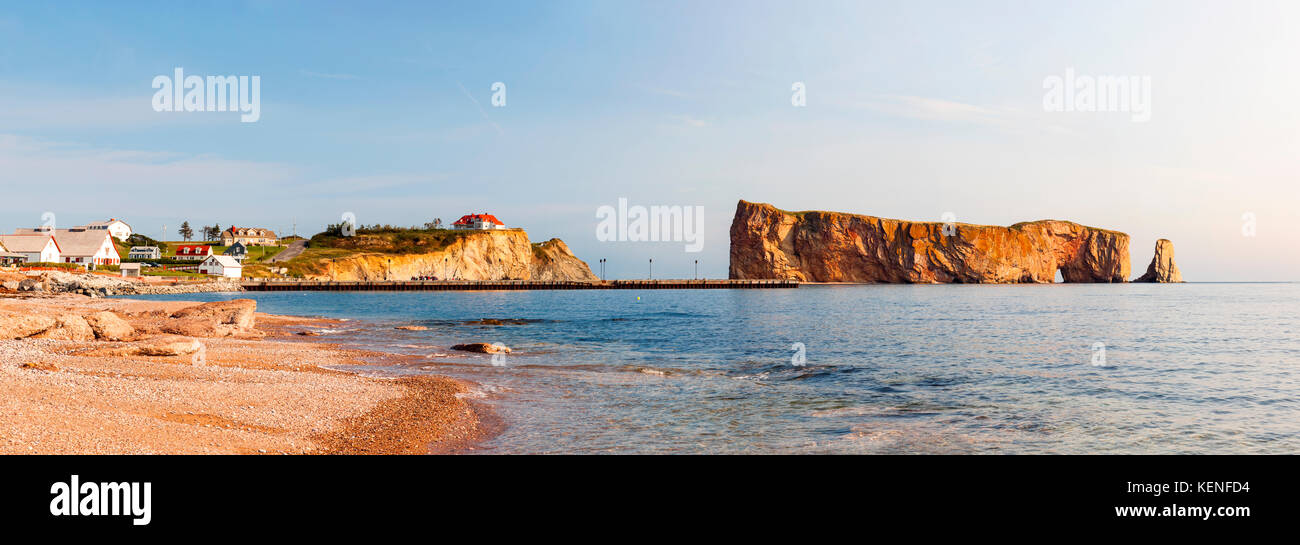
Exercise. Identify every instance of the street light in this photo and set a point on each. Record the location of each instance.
(697, 269)
(652, 268)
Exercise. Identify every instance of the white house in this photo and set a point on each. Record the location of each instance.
(221, 265)
(10, 258)
(144, 252)
(88, 247)
(478, 221)
(36, 248)
(116, 228)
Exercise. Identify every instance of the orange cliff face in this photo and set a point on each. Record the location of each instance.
(769, 243)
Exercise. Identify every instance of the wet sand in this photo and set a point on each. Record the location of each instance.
(261, 390)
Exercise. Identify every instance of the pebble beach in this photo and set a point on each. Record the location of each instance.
(260, 389)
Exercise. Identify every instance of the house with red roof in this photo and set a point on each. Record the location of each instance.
(478, 221)
(195, 252)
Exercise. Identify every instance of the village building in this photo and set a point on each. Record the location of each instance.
(248, 236)
(130, 270)
(221, 265)
(478, 221)
(35, 248)
(116, 228)
(87, 247)
(11, 258)
(144, 252)
(237, 251)
(195, 252)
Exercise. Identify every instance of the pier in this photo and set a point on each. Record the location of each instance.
(509, 285)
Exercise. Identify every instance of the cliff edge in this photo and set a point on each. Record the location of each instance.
(769, 243)
(446, 254)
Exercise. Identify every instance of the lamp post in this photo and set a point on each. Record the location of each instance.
(652, 268)
(697, 269)
(387, 270)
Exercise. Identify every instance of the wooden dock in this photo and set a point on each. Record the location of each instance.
(510, 285)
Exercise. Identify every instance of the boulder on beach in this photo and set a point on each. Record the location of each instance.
(168, 346)
(482, 348)
(19, 326)
(109, 327)
(217, 319)
(68, 327)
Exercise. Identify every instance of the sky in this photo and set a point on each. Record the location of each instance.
(911, 110)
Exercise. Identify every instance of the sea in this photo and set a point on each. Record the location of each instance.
(1204, 368)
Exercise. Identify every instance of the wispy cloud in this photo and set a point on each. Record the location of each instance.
(690, 121)
(935, 109)
(324, 75)
(666, 92)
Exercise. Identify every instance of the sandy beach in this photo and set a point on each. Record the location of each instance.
(216, 378)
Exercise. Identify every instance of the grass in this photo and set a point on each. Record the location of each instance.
(155, 271)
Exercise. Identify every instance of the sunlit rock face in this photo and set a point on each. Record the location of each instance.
(769, 243)
(1162, 267)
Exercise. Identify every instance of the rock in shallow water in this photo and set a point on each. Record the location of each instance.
(482, 348)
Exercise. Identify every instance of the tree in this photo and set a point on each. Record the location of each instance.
(216, 232)
(186, 232)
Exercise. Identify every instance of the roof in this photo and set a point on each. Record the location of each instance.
(143, 248)
(26, 243)
(224, 261)
(110, 221)
(235, 249)
(193, 249)
(75, 243)
(255, 232)
(471, 218)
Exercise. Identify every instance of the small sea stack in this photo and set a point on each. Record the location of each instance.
(1162, 268)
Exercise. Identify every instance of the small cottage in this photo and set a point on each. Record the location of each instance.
(221, 265)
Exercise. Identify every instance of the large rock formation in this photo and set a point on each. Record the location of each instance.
(1162, 267)
(768, 243)
(481, 255)
(552, 261)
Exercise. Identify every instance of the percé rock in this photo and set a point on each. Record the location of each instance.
(769, 243)
(484, 255)
(1162, 268)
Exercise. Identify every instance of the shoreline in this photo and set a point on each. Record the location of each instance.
(259, 389)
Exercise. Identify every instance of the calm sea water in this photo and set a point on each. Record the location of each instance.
(1189, 368)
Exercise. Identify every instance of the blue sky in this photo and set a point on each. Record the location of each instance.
(914, 109)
